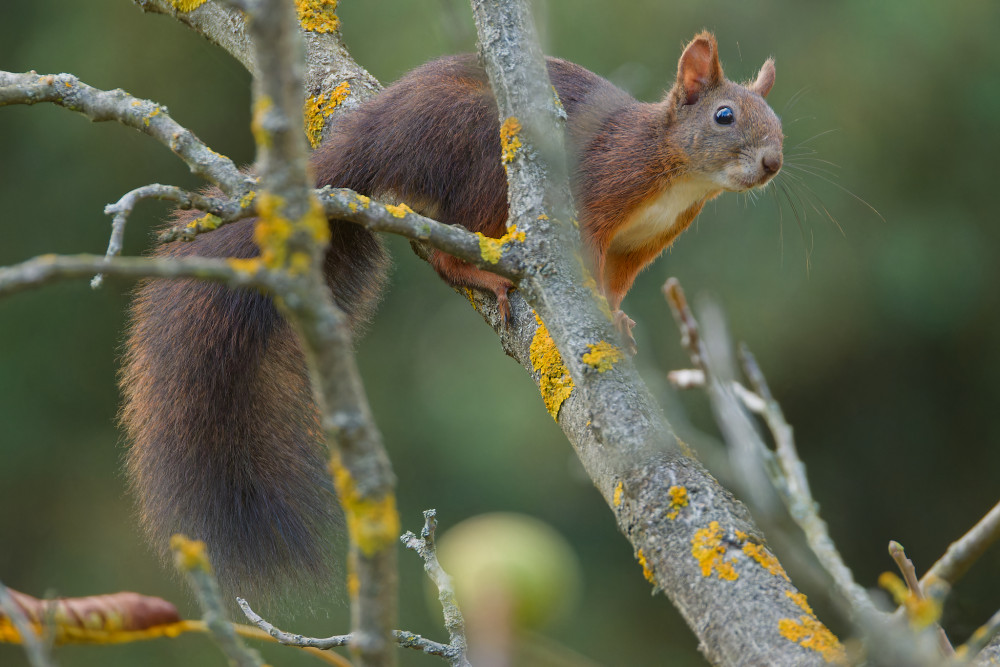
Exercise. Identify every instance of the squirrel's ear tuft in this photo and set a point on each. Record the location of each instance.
(765, 79)
(699, 68)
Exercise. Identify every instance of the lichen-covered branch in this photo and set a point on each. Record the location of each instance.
(692, 539)
(143, 115)
(790, 481)
(292, 232)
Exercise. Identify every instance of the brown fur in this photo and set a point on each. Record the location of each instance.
(226, 444)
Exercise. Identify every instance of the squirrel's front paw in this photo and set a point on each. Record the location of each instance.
(624, 324)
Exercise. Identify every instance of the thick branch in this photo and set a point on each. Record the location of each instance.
(609, 416)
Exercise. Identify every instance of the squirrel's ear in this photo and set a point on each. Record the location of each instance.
(765, 79)
(699, 67)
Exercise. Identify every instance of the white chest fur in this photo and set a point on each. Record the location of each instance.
(655, 219)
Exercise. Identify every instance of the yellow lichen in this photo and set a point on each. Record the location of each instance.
(363, 200)
(801, 600)
(602, 356)
(319, 107)
(261, 107)
(247, 199)
(399, 211)
(543, 217)
(205, 223)
(249, 266)
(554, 380)
(809, 633)
(509, 141)
(920, 611)
(189, 554)
(154, 112)
(372, 523)
(678, 499)
(491, 249)
(273, 231)
(318, 15)
(708, 549)
(646, 572)
(766, 559)
(619, 490)
(187, 5)
(353, 585)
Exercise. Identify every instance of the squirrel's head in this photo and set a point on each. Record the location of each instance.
(725, 131)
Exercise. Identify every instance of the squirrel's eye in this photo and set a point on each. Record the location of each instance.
(724, 116)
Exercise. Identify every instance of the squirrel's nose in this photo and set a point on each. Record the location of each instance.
(771, 162)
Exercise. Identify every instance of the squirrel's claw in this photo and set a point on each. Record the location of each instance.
(624, 324)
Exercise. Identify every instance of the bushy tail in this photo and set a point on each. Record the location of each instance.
(225, 441)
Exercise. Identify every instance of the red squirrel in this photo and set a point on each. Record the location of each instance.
(226, 444)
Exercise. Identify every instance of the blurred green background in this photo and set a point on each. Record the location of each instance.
(880, 341)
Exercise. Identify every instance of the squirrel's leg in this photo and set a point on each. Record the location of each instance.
(462, 274)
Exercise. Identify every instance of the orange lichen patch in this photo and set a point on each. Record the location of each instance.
(708, 549)
(187, 5)
(247, 199)
(189, 554)
(646, 572)
(602, 356)
(554, 380)
(765, 558)
(809, 633)
(319, 107)
(398, 211)
(205, 223)
(678, 499)
(491, 249)
(801, 600)
(509, 141)
(372, 522)
(318, 15)
(543, 217)
(619, 492)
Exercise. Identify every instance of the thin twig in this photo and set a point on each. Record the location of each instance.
(790, 479)
(143, 115)
(909, 573)
(191, 558)
(963, 552)
(402, 638)
(34, 647)
(48, 268)
(454, 622)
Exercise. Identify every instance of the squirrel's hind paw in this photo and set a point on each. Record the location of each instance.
(624, 324)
